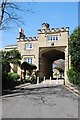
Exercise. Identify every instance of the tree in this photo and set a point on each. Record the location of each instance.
(14, 56)
(8, 57)
(26, 66)
(60, 63)
(74, 48)
(74, 51)
(10, 13)
(59, 69)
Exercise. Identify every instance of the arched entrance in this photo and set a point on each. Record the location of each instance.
(46, 57)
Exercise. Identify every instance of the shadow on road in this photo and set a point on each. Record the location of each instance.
(58, 91)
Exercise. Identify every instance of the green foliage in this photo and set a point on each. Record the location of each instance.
(8, 57)
(9, 80)
(74, 76)
(26, 66)
(59, 69)
(71, 75)
(5, 66)
(74, 48)
(5, 80)
(13, 76)
(15, 56)
(4, 77)
(74, 51)
(33, 67)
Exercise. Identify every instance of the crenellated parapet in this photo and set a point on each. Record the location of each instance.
(46, 29)
(62, 29)
(27, 39)
(22, 37)
(31, 38)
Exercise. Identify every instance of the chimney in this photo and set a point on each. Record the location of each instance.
(21, 33)
(45, 26)
(19, 29)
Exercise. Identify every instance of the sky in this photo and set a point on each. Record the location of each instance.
(57, 14)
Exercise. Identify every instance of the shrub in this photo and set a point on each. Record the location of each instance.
(74, 76)
(78, 78)
(5, 80)
(13, 76)
(71, 75)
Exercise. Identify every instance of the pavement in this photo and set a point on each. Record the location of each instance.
(73, 88)
(22, 85)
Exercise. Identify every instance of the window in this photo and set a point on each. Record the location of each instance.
(29, 45)
(49, 38)
(56, 37)
(53, 38)
(29, 60)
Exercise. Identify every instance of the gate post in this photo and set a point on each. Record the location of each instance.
(57, 80)
(37, 80)
(66, 65)
(50, 80)
(44, 79)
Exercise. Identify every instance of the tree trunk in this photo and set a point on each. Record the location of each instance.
(21, 75)
(24, 74)
(2, 10)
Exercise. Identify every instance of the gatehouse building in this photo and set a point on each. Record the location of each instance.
(49, 45)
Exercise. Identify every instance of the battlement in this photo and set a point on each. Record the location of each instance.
(52, 30)
(27, 39)
(45, 30)
(22, 37)
(31, 38)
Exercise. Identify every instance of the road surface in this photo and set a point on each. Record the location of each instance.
(52, 102)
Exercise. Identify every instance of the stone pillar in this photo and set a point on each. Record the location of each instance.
(37, 80)
(57, 80)
(44, 79)
(50, 80)
(66, 65)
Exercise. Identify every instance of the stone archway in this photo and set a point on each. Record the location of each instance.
(49, 54)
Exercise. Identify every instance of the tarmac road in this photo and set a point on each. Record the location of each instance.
(52, 102)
